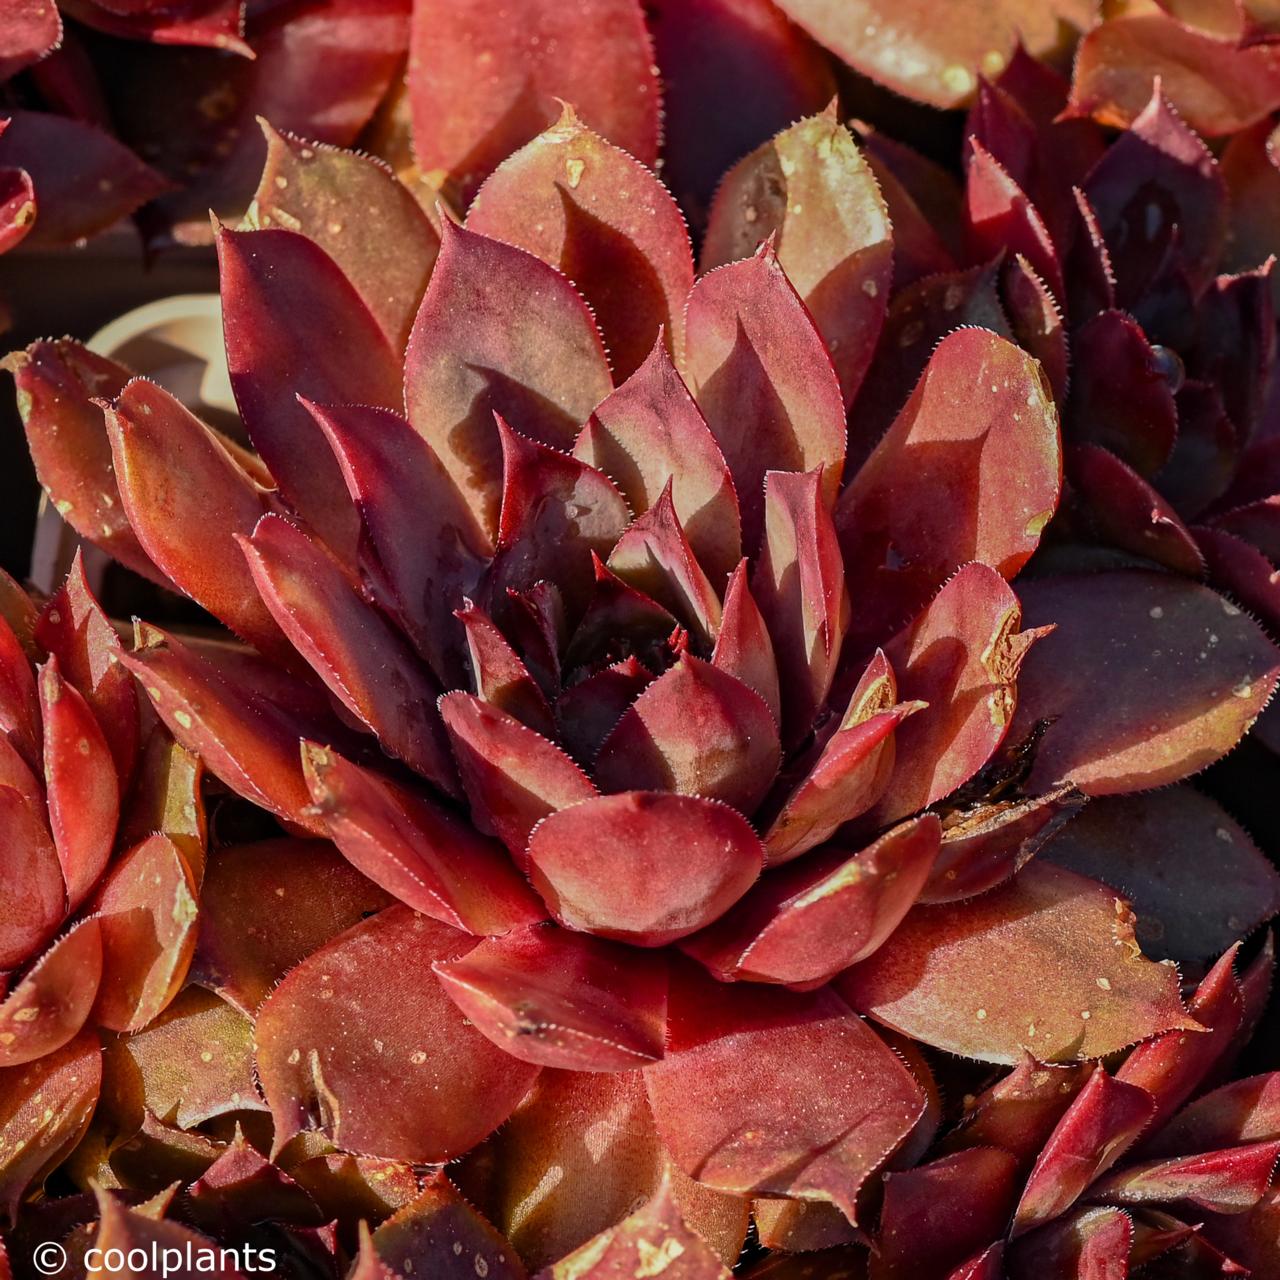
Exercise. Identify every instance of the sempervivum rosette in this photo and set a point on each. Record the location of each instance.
(101, 855)
(682, 744)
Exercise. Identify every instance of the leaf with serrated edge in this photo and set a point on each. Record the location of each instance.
(1186, 674)
(378, 1057)
(839, 1100)
(1046, 964)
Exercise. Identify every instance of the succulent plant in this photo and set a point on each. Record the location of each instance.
(694, 755)
(663, 778)
(103, 847)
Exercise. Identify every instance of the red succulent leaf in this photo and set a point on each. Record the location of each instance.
(247, 740)
(1253, 185)
(1157, 175)
(850, 771)
(361, 657)
(1215, 86)
(1243, 21)
(169, 464)
(698, 731)
(902, 47)
(558, 515)
(20, 614)
(266, 906)
(811, 190)
(561, 999)
(1237, 342)
(295, 81)
(743, 647)
(33, 29)
(616, 610)
(1255, 990)
(167, 798)
(654, 1238)
(983, 848)
(125, 1231)
(644, 867)
(310, 188)
(924, 199)
(585, 206)
(470, 357)
(19, 699)
(216, 24)
(296, 326)
(1249, 1237)
(146, 909)
(920, 1140)
(1129, 513)
(48, 1006)
(380, 1058)
(513, 776)
(1173, 1066)
(1021, 1110)
(597, 1127)
(1231, 1181)
(655, 556)
(192, 1064)
(17, 775)
(481, 87)
(804, 924)
(1091, 1244)
(1240, 1112)
(80, 778)
(1004, 128)
(763, 380)
(1102, 1122)
(588, 712)
(1153, 848)
(970, 470)
(649, 434)
(17, 202)
(962, 657)
(438, 1235)
(1091, 278)
(346, 1187)
(1045, 963)
(937, 1216)
(840, 1103)
(536, 620)
(801, 1226)
(987, 1265)
(44, 1109)
(1000, 216)
(920, 316)
(1169, 710)
(416, 849)
(799, 583)
(423, 549)
(1157, 1234)
(499, 674)
(84, 179)
(706, 50)
(241, 1186)
(1206, 454)
(1257, 523)
(73, 629)
(1036, 317)
(1120, 396)
(59, 385)
(32, 891)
